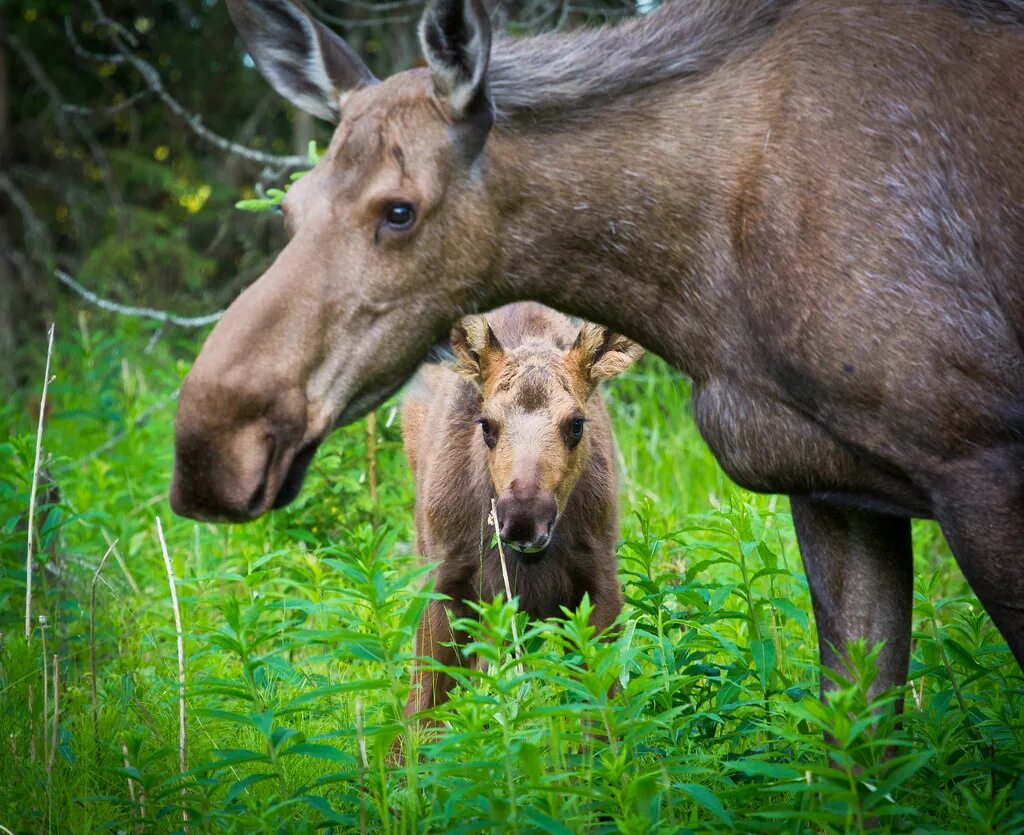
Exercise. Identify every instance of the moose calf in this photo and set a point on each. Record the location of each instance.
(517, 417)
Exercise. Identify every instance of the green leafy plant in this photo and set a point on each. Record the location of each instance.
(698, 712)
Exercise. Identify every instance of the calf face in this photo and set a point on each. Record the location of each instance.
(533, 419)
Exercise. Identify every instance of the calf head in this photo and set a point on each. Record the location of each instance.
(535, 401)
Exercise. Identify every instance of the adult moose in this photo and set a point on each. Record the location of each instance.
(814, 209)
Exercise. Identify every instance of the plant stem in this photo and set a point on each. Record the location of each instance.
(181, 665)
(508, 585)
(92, 649)
(949, 667)
(35, 487)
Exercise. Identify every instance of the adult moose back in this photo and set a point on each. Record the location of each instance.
(814, 209)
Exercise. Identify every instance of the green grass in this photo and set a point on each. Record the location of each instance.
(298, 635)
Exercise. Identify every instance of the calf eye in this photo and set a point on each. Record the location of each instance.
(574, 432)
(400, 216)
(490, 436)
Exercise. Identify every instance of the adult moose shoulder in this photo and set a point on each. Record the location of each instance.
(814, 209)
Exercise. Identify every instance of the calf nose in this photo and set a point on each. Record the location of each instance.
(526, 519)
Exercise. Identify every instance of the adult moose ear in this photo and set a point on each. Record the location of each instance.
(599, 353)
(456, 39)
(477, 350)
(301, 58)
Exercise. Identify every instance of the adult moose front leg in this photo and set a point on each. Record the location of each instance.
(860, 570)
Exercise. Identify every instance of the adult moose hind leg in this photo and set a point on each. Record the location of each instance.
(860, 571)
(980, 508)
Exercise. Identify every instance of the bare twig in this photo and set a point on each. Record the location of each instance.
(181, 664)
(35, 487)
(508, 585)
(108, 110)
(92, 646)
(35, 230)
(120, 38)
(82, 52)
(112, 25)
(195, 122)
(141, 312)
(123, 565)
(63, 125)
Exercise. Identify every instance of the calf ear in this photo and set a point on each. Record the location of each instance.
(476, 348)
(301, 58)
(600, 353)
(456, 39)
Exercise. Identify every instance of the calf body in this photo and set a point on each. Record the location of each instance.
(503, 427)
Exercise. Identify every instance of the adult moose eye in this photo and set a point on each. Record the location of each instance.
(400, 216)
(490, 436)
(574, 432)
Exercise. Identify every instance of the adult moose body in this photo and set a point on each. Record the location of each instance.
(814, 209)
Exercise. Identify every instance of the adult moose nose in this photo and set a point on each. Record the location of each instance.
(237, 453)
(526, 518)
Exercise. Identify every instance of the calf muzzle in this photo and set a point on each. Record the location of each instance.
(527, 519)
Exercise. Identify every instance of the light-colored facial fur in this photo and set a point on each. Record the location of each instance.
(534, 397)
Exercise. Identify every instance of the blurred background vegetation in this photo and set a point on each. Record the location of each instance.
(129, 129)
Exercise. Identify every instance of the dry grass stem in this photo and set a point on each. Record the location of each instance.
(122, 564)
(365, 765)
(181, 664)
(56, 717)
(35, 487)
(46, 691)
(92, 646)
(138, 827)
(504, 576)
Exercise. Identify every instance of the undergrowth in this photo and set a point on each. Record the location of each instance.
(700, 714)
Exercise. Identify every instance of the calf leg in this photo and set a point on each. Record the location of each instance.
(607, 604)
(435, 639)
(860, 571)
(980, 507)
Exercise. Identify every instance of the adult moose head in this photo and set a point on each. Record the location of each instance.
(813, 209)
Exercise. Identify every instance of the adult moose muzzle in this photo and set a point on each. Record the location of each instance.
(813, 208)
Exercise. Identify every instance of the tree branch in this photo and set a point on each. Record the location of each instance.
(151, 77)
(139, 312)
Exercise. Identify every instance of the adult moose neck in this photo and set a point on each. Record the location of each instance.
(624, 209)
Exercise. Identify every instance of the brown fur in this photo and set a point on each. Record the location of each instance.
(820, 222)
(457, 477)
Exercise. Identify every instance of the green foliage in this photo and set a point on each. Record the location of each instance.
(274, 196)
(698, 713)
